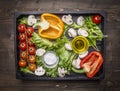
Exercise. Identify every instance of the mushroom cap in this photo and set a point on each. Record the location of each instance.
(72, 32)
(40, 71)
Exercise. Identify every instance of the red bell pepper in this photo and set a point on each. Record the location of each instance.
(92, 63)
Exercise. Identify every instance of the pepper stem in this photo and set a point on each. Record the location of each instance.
(79, 70)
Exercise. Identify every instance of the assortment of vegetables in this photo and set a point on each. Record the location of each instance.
(60, 45)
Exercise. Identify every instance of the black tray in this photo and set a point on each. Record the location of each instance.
(101, 45)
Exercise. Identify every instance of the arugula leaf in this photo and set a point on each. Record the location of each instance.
(94, 31)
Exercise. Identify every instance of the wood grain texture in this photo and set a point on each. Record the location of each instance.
(8, 81)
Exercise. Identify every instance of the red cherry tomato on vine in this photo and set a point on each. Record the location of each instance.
(22, 37)
(29, 42)
(29, 31)
(31, 50)
(32, 67)
(23, 55)
(32, 58)
(97, 19)
(23, 46)
(21, 28)
(22, 63)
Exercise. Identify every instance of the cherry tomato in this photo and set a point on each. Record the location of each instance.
(32, 67)
(32, 58)
(29, 42)
(22, 37)
(21, 28)
(29, 31)
(97, 19)
(31, 50)
(23, 55)
(22, 63)
(23, 46)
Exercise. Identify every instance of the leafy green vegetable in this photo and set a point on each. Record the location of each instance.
(65, 56)
(65, 61)
(26, 70)
(75, 26)
(52, 72)
(94, 31)
(39, 60)
(47, 44)
(41, 42)
(23, 20)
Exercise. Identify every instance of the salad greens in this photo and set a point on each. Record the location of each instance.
(41, 42)
(26, 70)
(95, 33)
(65, 56)
(65, 61)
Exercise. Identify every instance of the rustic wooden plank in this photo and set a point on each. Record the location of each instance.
(8, 82)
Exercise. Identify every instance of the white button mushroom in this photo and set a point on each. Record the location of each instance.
(76, 63)
(40, 52)
(80, 20)
(31, 20)
(67, 19)
(72, 32)
(68, 46)
(40, 71)
(61, 72)
(82, 32)
(83, 55)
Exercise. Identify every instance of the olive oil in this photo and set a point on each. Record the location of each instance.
(80, 44)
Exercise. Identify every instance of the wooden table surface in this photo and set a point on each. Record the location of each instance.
(8, 81)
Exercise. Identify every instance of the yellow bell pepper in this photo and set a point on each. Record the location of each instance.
(54, 28)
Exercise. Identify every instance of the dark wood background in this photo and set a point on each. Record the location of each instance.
(8, 81)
